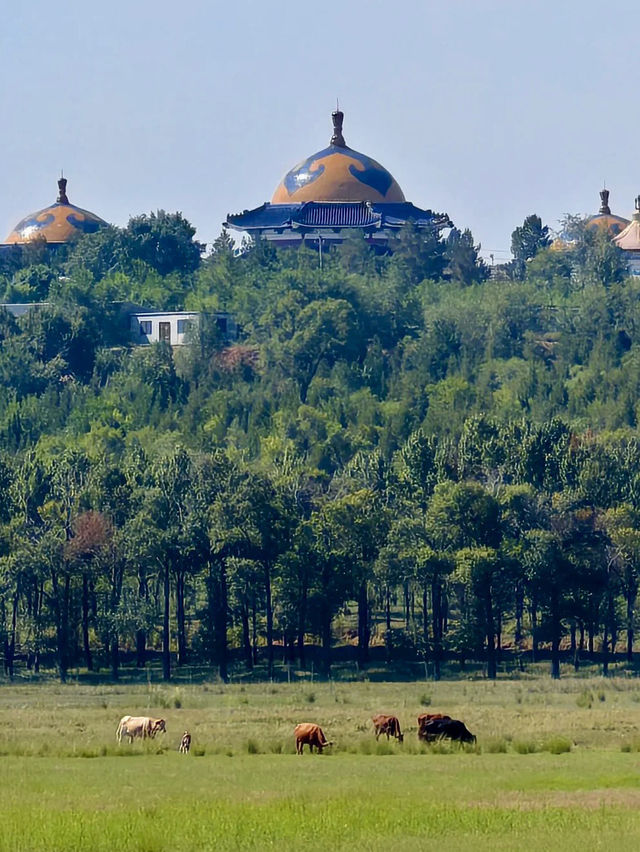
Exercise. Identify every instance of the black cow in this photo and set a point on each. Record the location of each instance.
(451, 729)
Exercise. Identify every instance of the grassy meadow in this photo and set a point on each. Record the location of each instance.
(556, 766)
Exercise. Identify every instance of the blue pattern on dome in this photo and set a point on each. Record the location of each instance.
(302, 174)
(34, 222)
(373, 175)
(84, 224)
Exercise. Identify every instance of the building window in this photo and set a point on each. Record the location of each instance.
(221, 322)
(183, 326)
(145, 327)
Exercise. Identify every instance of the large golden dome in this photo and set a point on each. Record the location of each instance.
(59, 223)
(338, 173)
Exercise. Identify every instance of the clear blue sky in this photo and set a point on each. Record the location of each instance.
(486, 109)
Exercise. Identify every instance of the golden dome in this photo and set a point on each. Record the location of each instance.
(605, 220)
(338, 173)
(59, 223)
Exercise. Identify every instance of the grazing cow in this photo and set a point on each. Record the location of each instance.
(424, 719)
(139, 726)
(185, 743)
(306, 733)
(388, 725)
(452, 729)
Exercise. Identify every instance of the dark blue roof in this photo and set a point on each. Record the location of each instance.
(335, 215)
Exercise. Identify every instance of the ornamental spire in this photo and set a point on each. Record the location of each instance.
(337, 139)
(604, 202)
(62, 190)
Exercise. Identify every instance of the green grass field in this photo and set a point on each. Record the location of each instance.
(557, 766)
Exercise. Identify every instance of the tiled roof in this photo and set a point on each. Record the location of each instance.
(335, 215)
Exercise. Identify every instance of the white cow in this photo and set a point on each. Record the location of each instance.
(139, 726)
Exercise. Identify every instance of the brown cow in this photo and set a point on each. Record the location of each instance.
(139, 726)
(185, 743)
(306, 733)
(388, 725)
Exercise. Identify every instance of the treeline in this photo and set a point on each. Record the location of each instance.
(511, 533)
(391, 435)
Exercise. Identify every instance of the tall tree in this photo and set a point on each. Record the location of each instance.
(527, 240)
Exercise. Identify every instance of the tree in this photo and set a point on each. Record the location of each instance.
(548, 573)
(165, 242)
(464, 265)
(325, 332)
(622, 527)
(526, 241)
(463, 515)
(418, 254)
(357, 525)
(480, 570)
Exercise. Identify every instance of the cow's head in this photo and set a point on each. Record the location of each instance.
(158, 725)
(400, 738)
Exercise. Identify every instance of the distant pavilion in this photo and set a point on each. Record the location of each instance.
(331, 193)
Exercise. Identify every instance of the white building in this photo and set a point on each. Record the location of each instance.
(174, 327)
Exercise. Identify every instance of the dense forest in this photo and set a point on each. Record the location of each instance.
(409, 451)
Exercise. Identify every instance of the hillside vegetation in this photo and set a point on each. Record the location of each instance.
(400, 449)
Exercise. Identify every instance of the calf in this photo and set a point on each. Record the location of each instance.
(306, 733)
(388, 725)
(185, 743)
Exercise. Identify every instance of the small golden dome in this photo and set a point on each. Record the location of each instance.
(59, 223)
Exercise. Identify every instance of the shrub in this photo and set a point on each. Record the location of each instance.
(198, 751)
(253, 747)
(525, 747)
(557, 745)
(585, 699)
(601, 695)
(310, 697)
(497, 745)
(366, 746)
(425, 699)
